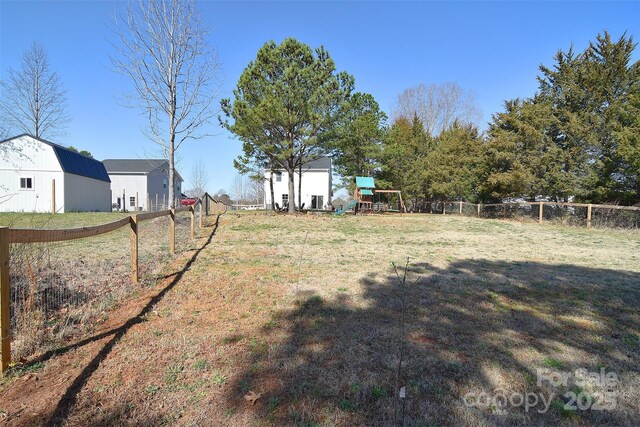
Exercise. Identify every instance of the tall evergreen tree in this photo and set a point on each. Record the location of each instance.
(576, 138)
(356, 143)
(591, 94)
(284, 101)
(404, 158)
(452, 167)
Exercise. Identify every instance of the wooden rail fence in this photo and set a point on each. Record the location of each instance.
(458, 205)
(10, 236)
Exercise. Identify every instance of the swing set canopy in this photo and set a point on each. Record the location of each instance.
(366, 192)
(365, 182)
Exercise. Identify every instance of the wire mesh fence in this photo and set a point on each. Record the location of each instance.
(567, 214)
(62, 286)
(602, 217)
(513, 211)
(59, 288)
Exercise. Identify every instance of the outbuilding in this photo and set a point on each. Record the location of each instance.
(39, 176)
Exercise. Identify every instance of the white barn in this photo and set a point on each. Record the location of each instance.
(141, 177)
(40, 176)
(316, 186)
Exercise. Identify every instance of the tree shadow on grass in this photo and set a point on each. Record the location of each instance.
(68, 400)
(477, 326)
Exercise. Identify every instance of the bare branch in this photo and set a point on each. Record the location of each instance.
(163, 50)
(437, 106)
(199, 179)
(33, 99)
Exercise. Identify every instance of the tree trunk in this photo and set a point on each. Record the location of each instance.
(292, 198)
(273, 201)
(300, 186)
(171, 172)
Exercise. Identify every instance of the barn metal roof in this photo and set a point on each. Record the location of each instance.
(73, 162)
(79, 164)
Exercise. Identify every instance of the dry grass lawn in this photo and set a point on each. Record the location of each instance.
(307, 312)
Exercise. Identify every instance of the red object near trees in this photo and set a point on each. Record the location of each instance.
(188, 201)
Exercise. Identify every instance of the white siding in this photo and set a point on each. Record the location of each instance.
(314, 183)
(158, 183)
(27, 157)
(84, 194)
(129, 184)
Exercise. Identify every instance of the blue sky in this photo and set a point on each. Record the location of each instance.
(491, 48)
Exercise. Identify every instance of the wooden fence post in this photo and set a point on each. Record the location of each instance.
(137, 200)
(134, 248)
(53, 196)
(163, 203)
(540, 212)
(192, 214)
(460, 207)
(200, 211)
(148, 202)
(444, 208)
(156, 206)
(479, 210)
(5, 321)
(172, 231)
(589, 216)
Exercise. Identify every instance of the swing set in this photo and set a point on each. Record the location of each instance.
(366, 193)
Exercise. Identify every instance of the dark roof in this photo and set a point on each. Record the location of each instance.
(133, 166)
(321, 163)
(73, 162)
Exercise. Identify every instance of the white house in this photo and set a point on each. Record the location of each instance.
(316, 185)
(141, 177)
(40, 176)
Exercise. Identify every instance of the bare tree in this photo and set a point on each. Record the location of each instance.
(437, 106)
(240, 188)
(163, 50)
(256, 189)
(199, 179)
(33, 99)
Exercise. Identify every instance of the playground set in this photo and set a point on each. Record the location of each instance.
(365, 200)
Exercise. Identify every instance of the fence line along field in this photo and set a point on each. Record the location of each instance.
(303, 320)
(573, 214)
(67, 270)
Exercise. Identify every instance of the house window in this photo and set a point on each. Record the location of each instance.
(285, 200)
(132, 201)
(164, 182)
(26, 183)
(278, 176)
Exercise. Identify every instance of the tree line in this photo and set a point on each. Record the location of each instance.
(575, 139)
